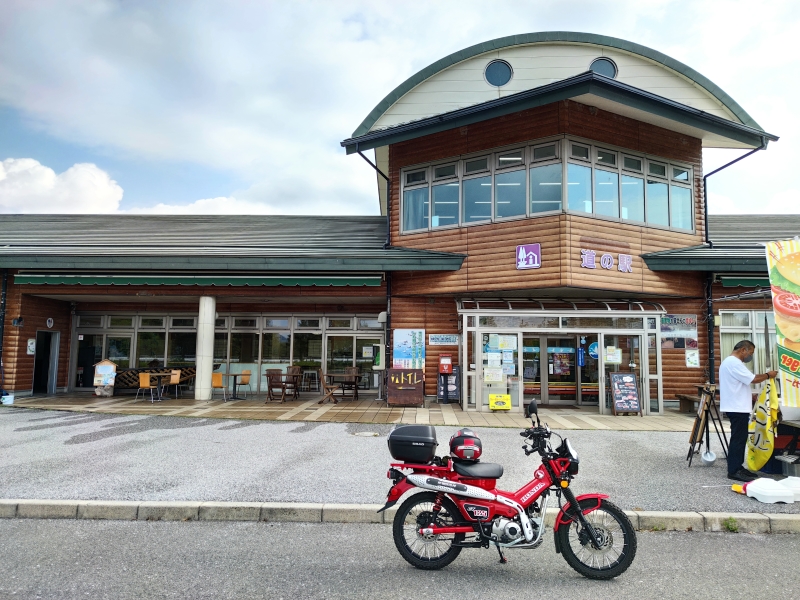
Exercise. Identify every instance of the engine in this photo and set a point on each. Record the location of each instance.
(506, 530)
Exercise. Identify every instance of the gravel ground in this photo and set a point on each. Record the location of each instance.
(50, 454)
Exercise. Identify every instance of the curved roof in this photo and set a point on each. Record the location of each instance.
(568, 37)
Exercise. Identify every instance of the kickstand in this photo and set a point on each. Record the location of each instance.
(503, 559)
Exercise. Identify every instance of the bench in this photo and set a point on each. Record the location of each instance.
(688, 404)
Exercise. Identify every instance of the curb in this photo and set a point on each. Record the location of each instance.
(299, 512)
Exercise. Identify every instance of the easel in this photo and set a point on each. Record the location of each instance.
(707, 413)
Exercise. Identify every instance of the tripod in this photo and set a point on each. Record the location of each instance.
(707, 414)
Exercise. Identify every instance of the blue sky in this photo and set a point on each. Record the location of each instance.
(239, 107)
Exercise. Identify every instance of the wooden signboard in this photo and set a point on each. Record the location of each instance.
(405, 387)
(625, 394)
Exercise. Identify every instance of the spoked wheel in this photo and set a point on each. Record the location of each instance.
(617, 548)
(426, 552)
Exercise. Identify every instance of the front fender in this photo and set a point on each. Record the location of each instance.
(398, 489)
(563, 519)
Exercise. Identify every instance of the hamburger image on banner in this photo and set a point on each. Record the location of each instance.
(783, 260)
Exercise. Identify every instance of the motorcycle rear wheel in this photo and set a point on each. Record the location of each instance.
(619, 542)
(417, 512)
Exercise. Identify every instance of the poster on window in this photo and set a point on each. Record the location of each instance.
(507, 342)
(408, 349)
(679, 331)
(693, 359)
(561, 364)
(493, 375)
(783, 261)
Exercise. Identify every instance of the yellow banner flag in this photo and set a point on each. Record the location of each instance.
(763, 422)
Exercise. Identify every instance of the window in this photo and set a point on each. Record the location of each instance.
(276, 323)
(120, 322)
(182, 322)
(416, 177)
(152, 322)
(606, 157)
(477, 200)
(579, 188)
(340, 323)
(444, 172)
(150, 349)
(735, 319)
(90, 321)
(545, 188)
(632, 198)
(498, 73)
(445, 204)
(604, 66)
(221, 323)
(606, 193)
(657, 169)
(632, 164)
(369, 324)
(275, 349)
(680, 174)
(476, 165)
(307, 350)
(511, 159)
(509, 194)
(181, 348)
(544, 152)
(241, 323)
(657, 203)
(305, 323)
(578, 151)
(680, 207)
(415, 209)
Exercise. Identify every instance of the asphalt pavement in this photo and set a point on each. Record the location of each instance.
(63, 455)
(122, 560)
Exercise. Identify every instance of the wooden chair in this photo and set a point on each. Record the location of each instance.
(217, 384)
(328, 389)
(145, 384)
(275, 382)
(293, 385)
(351, 384)
(245, 380)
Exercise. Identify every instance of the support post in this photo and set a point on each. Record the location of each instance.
(206, 317)
(3, 294)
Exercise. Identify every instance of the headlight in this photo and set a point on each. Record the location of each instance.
(572, 454)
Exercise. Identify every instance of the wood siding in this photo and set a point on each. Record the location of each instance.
(491, 248)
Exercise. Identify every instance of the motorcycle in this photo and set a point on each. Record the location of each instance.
(459, 505)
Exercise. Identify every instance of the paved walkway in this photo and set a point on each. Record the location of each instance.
(366, 410)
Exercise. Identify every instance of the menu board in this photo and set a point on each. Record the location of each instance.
(625, 393)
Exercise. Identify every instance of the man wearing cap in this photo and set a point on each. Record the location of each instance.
(736, 401)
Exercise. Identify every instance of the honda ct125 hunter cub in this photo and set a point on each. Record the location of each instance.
(461, 507)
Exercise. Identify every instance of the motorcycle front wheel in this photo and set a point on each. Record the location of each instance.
(432, 552)
(616, 551)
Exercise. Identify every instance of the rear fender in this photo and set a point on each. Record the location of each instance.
(398, 489)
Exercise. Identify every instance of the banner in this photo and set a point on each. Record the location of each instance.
(408, 350)
(761, 430)
(783, 261)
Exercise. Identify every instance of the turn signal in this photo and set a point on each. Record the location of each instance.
(564, 483)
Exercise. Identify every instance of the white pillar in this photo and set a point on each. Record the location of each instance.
(205, 347)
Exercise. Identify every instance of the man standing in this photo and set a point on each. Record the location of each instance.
(736, 401)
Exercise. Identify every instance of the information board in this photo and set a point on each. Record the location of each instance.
(405, 387)
(625, 393)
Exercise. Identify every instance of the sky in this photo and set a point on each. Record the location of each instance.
(239, 107)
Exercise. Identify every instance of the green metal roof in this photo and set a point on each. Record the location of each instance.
(762, 282)
(209, 243)
(552, 36)
(579, 85)
(158, 279)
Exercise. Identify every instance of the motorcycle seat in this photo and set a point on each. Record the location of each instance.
(478, 470)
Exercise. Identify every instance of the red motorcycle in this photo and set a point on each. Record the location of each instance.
(461, 506)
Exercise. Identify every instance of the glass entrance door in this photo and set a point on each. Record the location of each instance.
(531, 368)
(90, 352)
(562, 372)
(588, 360)
(622, 353)
(500, 354)
(118, 350)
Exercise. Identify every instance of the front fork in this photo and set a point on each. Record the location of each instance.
(574, 507)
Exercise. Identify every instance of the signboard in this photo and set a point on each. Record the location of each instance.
(500, 401)
(366, 352)
(679, 331)
(31, 346)
(453, 386)
(625, 393)
(783, 261)
(443, 339)
(104, 373)
(593, 350)
(408, 350)
(529, 256)
(405, 387)
(693, 359)
(613, 355)
(590, 260)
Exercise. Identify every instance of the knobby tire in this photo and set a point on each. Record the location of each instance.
(421, 553)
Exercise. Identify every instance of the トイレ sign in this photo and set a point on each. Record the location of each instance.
(590, 260)
(529, 256)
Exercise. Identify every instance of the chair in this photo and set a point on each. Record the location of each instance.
(293, 385)
(145, 384)
(174, 379)
(245, 380)
(216, 384)
(328, 389)
(351, 384)
(309, 378)
(275, 382)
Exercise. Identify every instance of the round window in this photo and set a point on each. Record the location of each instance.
(498, 73)
(605, 67)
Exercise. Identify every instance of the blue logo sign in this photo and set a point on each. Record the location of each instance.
(593, 350)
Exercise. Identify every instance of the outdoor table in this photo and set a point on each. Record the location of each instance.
(344, 378)
(158, 377)
(235, 384)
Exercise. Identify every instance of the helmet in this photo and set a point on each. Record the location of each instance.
(466, 446)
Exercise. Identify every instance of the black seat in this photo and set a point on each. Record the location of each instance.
(478, 470)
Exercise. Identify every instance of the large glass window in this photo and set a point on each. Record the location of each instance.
(445, 204)
(244, 353)
(340, 352)
(477, 200)
(307, 350)
(632, 198)
(579, 188)
(150, 349)
(657, 203)
(545, 188)
(509, 194)
(181, 349)
(275, 350)
(606, 192)
(680, 207)
(415, 209)
(118, 350)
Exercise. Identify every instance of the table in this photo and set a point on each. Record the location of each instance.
(344, 378)
(235, 383)
(158, 377)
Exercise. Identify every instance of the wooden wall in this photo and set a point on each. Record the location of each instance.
(35, 311)
(491, 248)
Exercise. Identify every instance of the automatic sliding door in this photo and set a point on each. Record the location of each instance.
(500, 354)
(562, 382)
(531, 369)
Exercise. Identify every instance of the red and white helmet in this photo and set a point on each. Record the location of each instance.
(466, 446)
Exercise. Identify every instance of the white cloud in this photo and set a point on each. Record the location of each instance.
(27, 186)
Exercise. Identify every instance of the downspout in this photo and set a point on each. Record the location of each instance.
(712, 354)
(3, 294)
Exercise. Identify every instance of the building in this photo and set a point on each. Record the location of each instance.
(542, 200)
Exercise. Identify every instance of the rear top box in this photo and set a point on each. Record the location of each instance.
(413, 443)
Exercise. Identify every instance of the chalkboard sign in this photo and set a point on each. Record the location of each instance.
(625, 393)
(453, 386)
